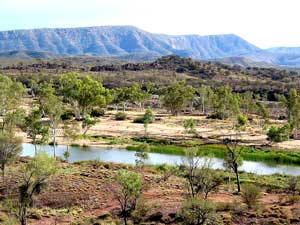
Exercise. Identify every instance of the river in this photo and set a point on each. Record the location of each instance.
(128, 157)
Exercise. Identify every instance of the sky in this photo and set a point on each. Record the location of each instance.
(264, 23)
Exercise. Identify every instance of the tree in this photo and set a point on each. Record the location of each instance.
(248, 103)
(233, 158)
(242, 122)
(10, 149)
(137, 95)
(206, 95)
(87, 123)
(199, 175)
(35, 128)
(177, 96)
(199, 212)
(53, 108)
(293, 110)
(84, 93)
(35, 175)
(264, 113)
(70, 134)
(226, 103)
(148, 118)
(128, 191)
(142, 154)
(11, 95)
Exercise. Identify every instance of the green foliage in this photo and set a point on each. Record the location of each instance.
(10, 149)
(84, 92)
(242, 121)
(87, 123)
(67, 155)
(97, 112)
(120, 116)
(35, 128)
(67, 115)
(35, 175)
(250, 195)
(199, 212)
(11, 94)
(128, 191)
(147, 118)
(176, 96)
(226, 104)
(279, 134)
(190, 125)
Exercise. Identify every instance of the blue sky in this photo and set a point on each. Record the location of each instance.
(265, 23)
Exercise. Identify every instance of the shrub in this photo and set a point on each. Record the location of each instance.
(120, 116)
(242, 120)
(67, 115)
(97, 112)
(139, 119)
(294, 185)
(190, 125)
(250, 195)
(198, 212)
(279, 134)
(148, 117)
(140, 211)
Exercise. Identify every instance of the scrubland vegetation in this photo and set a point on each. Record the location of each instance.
(180, 117)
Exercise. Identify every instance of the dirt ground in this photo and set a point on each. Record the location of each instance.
(86, 191)
(171, 127)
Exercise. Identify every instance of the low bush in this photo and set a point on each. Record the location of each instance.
(120, 116)
(67, 115)
(279, 134)
(250, 195)
(97, 112)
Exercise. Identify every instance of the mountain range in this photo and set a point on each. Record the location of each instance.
(136, 44)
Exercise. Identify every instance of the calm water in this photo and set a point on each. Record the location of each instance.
(124, 156)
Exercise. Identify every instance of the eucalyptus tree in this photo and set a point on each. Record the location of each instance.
(177, 96)
(226, 103)
(35, 128)
(52, 106)
(84, 93)
(10, 149)
(35, 176)
(292, 105)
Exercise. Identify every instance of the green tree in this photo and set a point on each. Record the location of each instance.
(148, 118)
(226, 103)
(84, 93)
(10, 95)
(206, 95)
(177, 96)
(248, 102)
(10, 149)
(53, 108)
(87, 123)
(35, 175)
(35, 128)
(128, 192)
(293, 110)
(137, 95)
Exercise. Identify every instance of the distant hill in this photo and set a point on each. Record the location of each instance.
(243, 61)
(121, 40)
(133, 44)
(27, 55)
